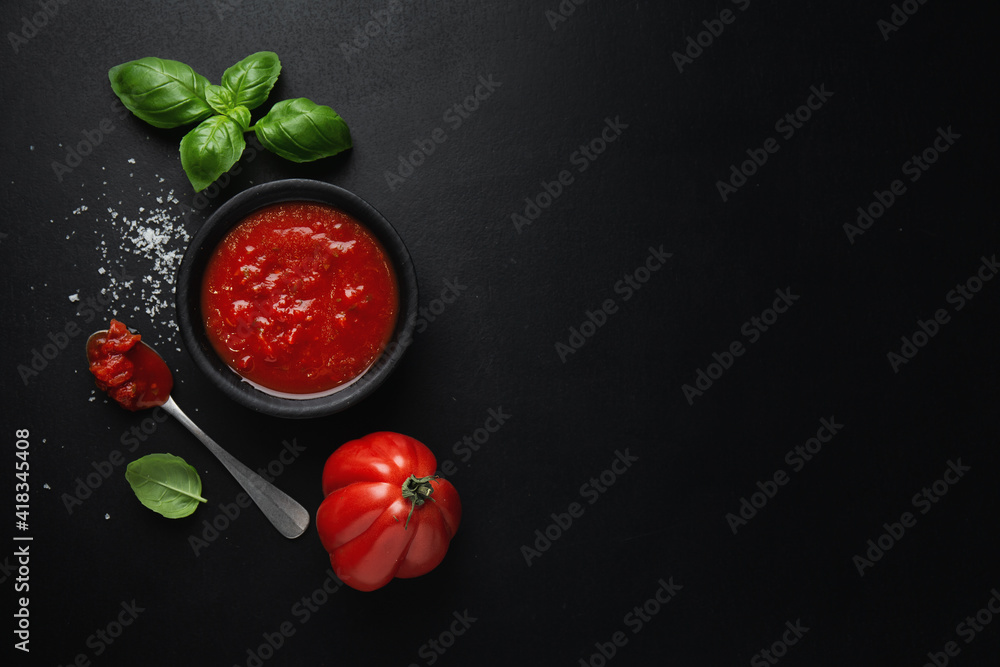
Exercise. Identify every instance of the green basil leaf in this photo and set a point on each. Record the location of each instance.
(301, 130)
(252, 78)
(164, 93)
(219, 98)
(241, 115)
(165, 484)
(209, 150)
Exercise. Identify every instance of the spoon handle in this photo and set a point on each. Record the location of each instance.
(288, 516)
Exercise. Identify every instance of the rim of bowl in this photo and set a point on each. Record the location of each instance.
(203, 244)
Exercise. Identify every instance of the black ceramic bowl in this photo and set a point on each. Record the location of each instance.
(196, 258)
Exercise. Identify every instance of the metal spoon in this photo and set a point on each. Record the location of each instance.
(288, 516)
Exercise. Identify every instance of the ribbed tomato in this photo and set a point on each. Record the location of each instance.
(386, 513)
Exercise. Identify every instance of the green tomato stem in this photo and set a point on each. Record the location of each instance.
(417, 490)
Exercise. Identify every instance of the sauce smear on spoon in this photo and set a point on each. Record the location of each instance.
(131, 372)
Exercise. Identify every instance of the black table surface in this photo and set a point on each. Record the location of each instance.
(708, 343)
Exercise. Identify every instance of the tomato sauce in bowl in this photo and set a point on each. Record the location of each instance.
(299, 299)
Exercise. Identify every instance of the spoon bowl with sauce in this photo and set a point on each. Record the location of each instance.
(135, 376)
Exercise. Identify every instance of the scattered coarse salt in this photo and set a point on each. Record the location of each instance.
(138, 251)
(131, 160)
(74, 297)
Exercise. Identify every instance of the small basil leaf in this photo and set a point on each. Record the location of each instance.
(241, 115)
(209, 150)
(219, 98)
(301, 130)
(165, 484)
(252, 78)
(164, 93)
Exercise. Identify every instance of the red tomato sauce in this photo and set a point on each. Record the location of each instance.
(131, 374)
(299, 298)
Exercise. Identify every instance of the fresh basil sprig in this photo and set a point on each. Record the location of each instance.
(166, 484)
(167, 93)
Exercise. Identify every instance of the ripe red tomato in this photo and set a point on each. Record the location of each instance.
(386, 514)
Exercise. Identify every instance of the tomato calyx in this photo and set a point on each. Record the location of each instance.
(417, 490)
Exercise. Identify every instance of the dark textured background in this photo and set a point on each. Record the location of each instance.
(495, 346)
